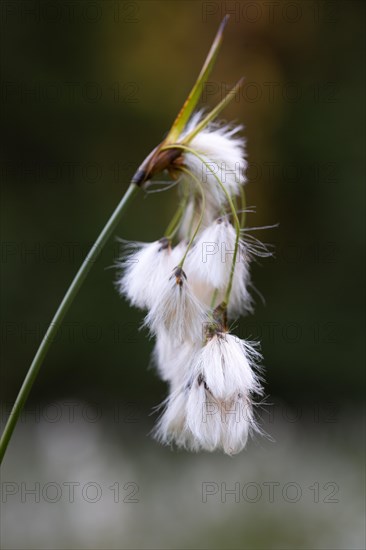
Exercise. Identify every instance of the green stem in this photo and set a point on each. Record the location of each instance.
(214, 298)
(189, 173)
(232, 208)
(60, 314)
(174, 223)
(191, 221)
(177, 218)
(242, 206)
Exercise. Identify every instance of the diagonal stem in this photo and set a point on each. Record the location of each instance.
(60, 314)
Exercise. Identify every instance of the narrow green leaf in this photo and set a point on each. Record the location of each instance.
(214, 113)
(195, 94)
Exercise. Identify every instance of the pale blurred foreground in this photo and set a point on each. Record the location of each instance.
(104, 484)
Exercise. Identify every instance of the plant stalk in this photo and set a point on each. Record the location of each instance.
(232, 208)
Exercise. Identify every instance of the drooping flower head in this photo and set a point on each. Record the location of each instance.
(196, 277)
(215, 396)
(177, 310)
(143, 270)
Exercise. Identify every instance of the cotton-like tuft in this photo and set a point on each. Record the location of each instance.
(172, 427)
(224, 154)
(213, 406)
(177, 310)
(173, 361)
(143, 270)
(227, 365)
(210, 259)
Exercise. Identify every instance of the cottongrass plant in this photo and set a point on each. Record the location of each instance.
(192, 282)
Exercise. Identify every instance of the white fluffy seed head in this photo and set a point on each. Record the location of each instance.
(227, 366)
(224, 153)
(217, 424)
(209, 265)
(202, 420)
(210, 259)
(173, 361)
(172, 427)
(142, 271)
(177, 310)
(199, 416)
(240, 423)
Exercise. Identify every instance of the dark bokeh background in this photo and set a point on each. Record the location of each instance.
(88, 89)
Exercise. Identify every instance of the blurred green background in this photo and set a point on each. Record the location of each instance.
(88, 89)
